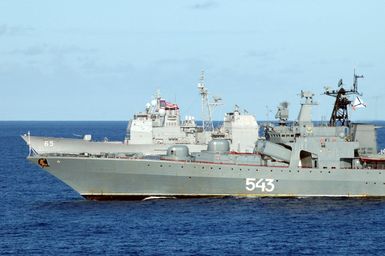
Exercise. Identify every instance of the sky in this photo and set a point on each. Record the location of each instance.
(104, 60)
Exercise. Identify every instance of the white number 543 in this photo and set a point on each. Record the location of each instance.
(262, 184)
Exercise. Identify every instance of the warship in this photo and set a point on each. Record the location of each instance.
(160, 126)
(301, 158)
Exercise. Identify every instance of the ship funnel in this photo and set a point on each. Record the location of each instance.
(305, 115)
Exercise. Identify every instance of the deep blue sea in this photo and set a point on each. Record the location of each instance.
(42, 216)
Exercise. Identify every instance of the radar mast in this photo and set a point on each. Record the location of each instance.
(206, 105)
(340, 115)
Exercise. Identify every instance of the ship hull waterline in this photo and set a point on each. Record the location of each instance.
(126, 179)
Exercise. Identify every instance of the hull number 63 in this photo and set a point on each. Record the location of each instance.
(265, 185)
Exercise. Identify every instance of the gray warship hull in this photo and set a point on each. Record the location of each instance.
(112, 178)
(47, 145)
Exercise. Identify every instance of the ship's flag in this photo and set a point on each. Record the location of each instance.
(358, 103)
(171, 105)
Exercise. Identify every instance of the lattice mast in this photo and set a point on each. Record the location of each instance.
(206, 110)
(340, 115)
(207, 107)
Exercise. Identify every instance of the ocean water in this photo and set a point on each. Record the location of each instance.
(42, 216)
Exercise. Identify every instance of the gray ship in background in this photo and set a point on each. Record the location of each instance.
(159, 126)
(295, 159)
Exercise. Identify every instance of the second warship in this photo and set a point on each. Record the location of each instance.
(159, 126)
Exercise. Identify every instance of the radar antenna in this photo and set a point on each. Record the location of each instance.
(340, 115)
(282, 113)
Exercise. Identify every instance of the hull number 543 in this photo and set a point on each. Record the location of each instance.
(265, 185)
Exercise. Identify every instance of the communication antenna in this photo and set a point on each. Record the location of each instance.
(154, 105)
(355, 82)
(268, 111)
(29, 144)
(217, 101)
